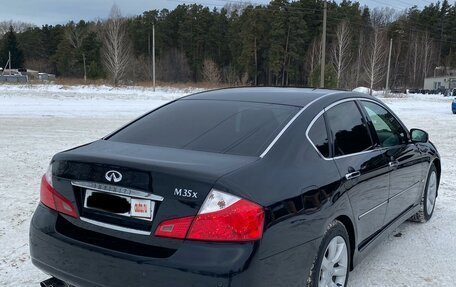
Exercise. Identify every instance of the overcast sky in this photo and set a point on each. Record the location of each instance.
(61, 11)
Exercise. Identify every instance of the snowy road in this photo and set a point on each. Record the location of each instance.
(37, 123)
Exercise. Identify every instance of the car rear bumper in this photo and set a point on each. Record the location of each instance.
(453, 107)
(193, 264)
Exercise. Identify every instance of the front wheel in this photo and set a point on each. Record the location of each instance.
(331, 266)
(428, 198)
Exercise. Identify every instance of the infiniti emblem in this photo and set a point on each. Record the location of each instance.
(113, 176)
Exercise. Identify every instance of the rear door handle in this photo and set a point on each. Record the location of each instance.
(353, 175)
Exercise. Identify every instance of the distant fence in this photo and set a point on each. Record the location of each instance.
(13, 79)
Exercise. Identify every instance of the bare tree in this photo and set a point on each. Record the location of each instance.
(116, 47)
(313, 56)
(211, 72)
(396, 67)
(382, 16)
(236, 8)
(419, 57)
(230, 75)
(414, 57)
(76, 36)
(340, 52)
(428, 51)
(18, 26)
(374, 65)
(359, 61)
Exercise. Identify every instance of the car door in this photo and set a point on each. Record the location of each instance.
(405, 160)
(364, 169)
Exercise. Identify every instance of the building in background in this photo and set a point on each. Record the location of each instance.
(440, 83)
(23, 76)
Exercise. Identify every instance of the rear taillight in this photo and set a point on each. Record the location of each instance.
(54, 200)
(223, 217)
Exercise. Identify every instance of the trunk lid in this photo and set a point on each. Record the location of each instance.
(175, 181)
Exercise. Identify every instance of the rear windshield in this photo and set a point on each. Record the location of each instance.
(240, 128)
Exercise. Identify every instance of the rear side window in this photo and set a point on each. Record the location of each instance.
(347, 127)
(319, 136)
(240, 128)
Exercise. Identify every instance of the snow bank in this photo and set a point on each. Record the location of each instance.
(365, 90)
(77, 101)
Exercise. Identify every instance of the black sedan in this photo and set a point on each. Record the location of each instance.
(234, 187)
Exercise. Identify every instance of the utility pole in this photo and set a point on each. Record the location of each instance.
(9, 61)
(323, 46)
(389, 66)
(153, 54)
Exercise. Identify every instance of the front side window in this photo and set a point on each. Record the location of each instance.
(319, 136)
(388, 129)
(350, 133)
(231, 127)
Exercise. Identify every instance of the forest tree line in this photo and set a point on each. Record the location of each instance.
(278, 44)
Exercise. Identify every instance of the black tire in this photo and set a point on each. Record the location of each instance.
(334, 230)
(425, 214)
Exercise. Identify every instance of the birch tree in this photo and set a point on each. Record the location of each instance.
(211, 72)
(313, 56)
(374, 65)
(18, 26)
(359, 61)
(415, 58)
(428, 52)
(76, 36)
(116, 47)
(340, 52)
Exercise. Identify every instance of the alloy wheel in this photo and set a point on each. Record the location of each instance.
(431, 193)
(333, 269)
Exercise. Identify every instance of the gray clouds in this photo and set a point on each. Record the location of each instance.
(41, 12)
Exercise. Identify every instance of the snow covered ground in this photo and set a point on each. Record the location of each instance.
(38, 121)
(77, 101)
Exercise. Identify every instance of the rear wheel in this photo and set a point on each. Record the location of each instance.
(428, 198)
(331, 266)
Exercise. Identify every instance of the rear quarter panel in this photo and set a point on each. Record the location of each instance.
(300, 190)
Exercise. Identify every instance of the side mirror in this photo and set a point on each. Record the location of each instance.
(419, 136)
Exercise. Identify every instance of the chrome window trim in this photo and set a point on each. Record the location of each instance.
(115, 227)
(281, 133)
(358, 153)
(284, 129)
(119, 190)
(339, 102)
(333, 105)
(308, 137)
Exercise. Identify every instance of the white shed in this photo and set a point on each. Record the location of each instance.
(434, 83)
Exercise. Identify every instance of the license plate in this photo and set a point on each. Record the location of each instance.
(119, 204)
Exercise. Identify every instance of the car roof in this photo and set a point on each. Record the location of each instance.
(271, 95)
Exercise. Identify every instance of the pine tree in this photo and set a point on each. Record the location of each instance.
(10, 45)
